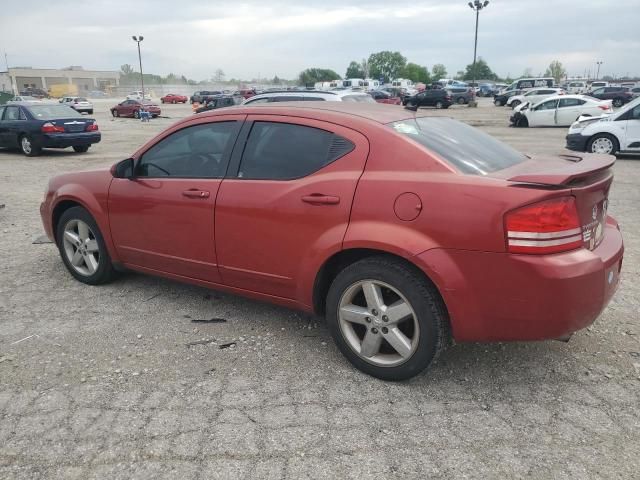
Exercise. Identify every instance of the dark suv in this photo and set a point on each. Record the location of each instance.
(438, 98)
(460, 95)
(204, 96)
(619, 95)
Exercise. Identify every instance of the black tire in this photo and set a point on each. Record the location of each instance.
(614, 142)
(497, 103)
(439, 104)
(105, 271)
(81, 148)
(28, 147)
(115, 113)
(136, 113)
(461, 101)
(617, 102)
(523, 122)
(514, 104)
(161, 100)
(429, 311)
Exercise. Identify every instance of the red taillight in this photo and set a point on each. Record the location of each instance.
(51, 128)
(92, 127)
(604, 107)
(550, 226)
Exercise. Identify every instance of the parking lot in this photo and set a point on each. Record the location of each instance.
(118, 381)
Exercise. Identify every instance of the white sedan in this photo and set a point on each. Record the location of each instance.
(533, 96)
(559, 111)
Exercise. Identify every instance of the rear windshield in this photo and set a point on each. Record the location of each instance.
(358, 98)
(51, 112)
(468, 149)
(81, 99)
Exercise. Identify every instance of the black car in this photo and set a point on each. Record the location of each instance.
(438, 98)
(220, 102)
(500, 99)
(460, 95)
(204, 96)
(32, 127)
(34, 92)
(618, 95)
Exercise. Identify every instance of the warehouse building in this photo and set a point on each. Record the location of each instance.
(21, 78)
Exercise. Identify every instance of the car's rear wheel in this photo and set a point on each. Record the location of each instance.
(617, 102)
(603, 143)
(28, 147)
(461, 101)
(115, 113)
(82, 247)
(136, 113)
(386, 318)
(81, 148)
(174, 102)
(497, 103)
(515, 103)
(439, 104)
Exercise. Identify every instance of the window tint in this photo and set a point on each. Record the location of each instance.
(1, 112)
(468, 149)
(570, 102)
(258, 100)
(283, 151)
(598, 91)
(193, 152)
(548, 105)
(52, 112)
(287, 98)
(635, 113)
(13, 113)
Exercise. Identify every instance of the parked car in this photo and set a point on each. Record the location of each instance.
(34, 126)
(577, 88)
(24, 99)
(501, 99)
(533, 96)
(309, 95)
(138, 95)
(220, 102)
(79, 104)
(558, 111)
(204, 95)
(245, 92)
(96, 94)
(487, 90)
(460, 95)
(438, 98)
(438, 264)
(635, 91)
(173, 98)
(381, 96)
(131, 108)
(597, 84)
(35, 92)
(610, 134)
(618, 95)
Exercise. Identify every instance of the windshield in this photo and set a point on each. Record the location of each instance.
(468, 149)
(358, 98)
(51, 112)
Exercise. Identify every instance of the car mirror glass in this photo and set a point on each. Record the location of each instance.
(123, 169)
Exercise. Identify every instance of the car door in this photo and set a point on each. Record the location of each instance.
(568, 111)
(12, 125)
(2, 127)
(163, 218)
(286, 201)
(543, 114)
(631, 140)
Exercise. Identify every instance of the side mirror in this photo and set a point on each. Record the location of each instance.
(123, 169)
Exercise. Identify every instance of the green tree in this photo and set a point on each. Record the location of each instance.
(528, 73)
(126, 70)
(276, 80)
(354, 70)
(481, 72)
(313, 75)
(386, 64)
(438, 71)
(556, 70)
(416, 73)
(218, 75)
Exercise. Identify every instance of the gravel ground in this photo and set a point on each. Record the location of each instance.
(119, 382)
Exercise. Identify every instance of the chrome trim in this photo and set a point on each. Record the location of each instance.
(544, 243)
(535, 235)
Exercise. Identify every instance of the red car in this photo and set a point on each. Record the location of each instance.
(173, 98)
(381, 96)
(131, 108)
(403, 230)
(245, 92)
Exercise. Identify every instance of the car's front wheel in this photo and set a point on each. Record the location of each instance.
(497, 103)
(386, 318)
(29, 147)
(82, 247)
(461, 101)
(603, 143)
(115, 113)
(136, 114)
(515, 103)
(439, 104)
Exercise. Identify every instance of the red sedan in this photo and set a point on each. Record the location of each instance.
(131, 108)
(173, 98)
(403, 230)
(381, 96)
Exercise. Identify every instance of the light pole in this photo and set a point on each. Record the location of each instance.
(476, 6)
(600, 62)
(138, 39)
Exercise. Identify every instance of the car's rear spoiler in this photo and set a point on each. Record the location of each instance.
(558, 171)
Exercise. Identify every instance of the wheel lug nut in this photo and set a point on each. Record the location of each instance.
(374, 312)
(368, 319)
(385, 318)
(374, 330)
(385, 330)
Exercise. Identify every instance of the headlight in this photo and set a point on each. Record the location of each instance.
(576, 127)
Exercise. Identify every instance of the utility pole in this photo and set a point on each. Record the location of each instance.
(599, 62)
(138, 39)
(476, 5)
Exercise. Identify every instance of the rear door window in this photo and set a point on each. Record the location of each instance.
(570, 102)
(285, 151)
(468, 149)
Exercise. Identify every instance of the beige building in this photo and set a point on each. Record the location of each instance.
(86, 80)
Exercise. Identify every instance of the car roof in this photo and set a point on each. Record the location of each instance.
(332, 95)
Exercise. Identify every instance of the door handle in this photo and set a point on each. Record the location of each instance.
(320, 199)
(195, 194)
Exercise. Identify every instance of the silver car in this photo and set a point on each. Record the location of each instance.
(79, 104)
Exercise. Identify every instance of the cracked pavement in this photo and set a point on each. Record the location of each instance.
(118, 382)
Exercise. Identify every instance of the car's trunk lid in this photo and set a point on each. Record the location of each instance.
(72, 125)
(588, 177)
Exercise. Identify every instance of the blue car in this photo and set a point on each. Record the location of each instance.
(34, 126)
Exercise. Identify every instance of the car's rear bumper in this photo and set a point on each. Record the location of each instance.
(577, 142)
(63, 140)
(507, 297)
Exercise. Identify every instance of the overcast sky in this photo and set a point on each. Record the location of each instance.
(283, 37)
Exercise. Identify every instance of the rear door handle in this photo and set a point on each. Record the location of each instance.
(319, 199)
(195, 193)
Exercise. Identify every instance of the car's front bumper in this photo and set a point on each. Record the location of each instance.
(577, 142)
(63, 140)
(508, 297)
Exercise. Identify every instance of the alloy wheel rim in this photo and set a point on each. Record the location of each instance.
(26, 145)
(378, 323)
(602, 145)
(81, 247)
